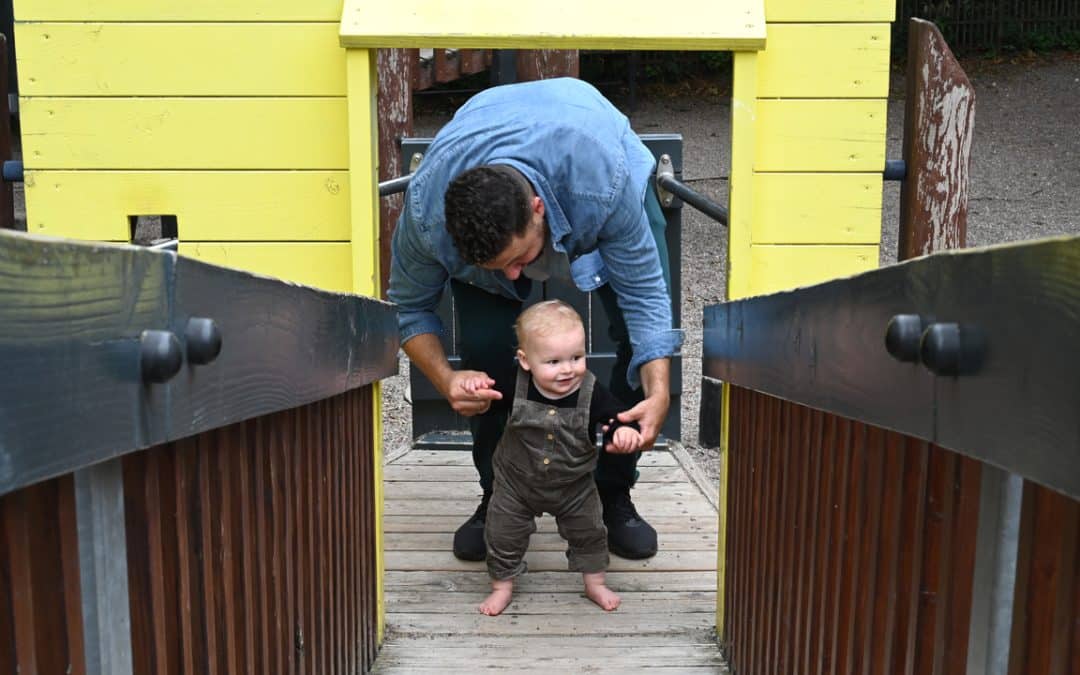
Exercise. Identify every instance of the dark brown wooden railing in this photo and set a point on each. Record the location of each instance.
(893, 512)
(219, 520)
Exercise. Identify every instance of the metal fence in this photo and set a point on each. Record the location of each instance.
(970, 25)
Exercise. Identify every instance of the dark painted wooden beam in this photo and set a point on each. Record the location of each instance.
(1014, 402)
(73, 390)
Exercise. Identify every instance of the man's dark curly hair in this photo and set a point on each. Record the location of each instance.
(486, 207)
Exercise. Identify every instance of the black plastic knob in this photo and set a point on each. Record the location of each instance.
(203, 340)
(160, 356)
(942, 349)
(902, 337)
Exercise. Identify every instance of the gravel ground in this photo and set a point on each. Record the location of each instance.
(1025, 183)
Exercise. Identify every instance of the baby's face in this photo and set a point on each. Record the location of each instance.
(556, 361)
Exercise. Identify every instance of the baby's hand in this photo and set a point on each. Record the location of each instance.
(475, 384)
(625, 440)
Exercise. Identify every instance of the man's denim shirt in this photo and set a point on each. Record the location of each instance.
(591, 171)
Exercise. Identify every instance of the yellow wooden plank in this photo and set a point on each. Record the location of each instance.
(209, 205)
(180, 59)
(324, 265)
(184, 133)
(177, 10)
(556, 24)
(817, 208)
(364, 170)
(743, 141)
(778, 268)
(829, 10)
(820, 135)
(831, 60)
(740, 229)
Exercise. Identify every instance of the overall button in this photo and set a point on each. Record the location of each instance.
(547, 461)
(551, 437)
(551, 412)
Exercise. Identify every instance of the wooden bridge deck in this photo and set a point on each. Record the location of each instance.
(666, 621)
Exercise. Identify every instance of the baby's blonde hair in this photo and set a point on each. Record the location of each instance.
(545, 318)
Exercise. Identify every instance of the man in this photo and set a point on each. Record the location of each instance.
(527, 182)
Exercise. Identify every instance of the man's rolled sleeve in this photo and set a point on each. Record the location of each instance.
(655, 345)
(417, 281)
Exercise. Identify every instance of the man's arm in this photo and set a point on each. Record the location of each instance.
(426, 352)
(650, 413)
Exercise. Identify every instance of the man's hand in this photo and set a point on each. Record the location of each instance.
(470, 392)
(649, 414)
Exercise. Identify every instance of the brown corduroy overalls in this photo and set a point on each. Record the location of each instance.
(544, 463)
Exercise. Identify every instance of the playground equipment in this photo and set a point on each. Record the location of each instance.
(255, 131)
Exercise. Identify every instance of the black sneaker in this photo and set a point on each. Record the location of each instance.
(629, 536)
(469, 541)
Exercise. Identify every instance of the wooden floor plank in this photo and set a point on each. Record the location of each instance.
(548, 540)
(555, 561)
(633, 602)
(666, 622)
(549, 582)
(448, 524)
(648, 505)
(467, 474)
(464, 458)
(578, 623)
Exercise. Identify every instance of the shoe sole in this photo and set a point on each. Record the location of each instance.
(625, 554)
(470, 557)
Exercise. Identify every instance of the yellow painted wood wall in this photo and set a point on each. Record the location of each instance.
(228, 114)
(808, 145)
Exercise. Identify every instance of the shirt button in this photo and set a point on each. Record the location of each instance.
(551, 412)
(547, 461)
(551, 437)
(596, 278)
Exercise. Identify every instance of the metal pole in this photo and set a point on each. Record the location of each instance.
(994, 582)
(394, 185)
(693, 198)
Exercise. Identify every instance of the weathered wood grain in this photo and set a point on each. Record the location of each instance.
(939, 120)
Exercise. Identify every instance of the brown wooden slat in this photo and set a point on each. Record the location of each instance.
(1046, 616)
(871, 553)
(834, 619)
(819, 600)
(964, 528)
(473, 60)
(447, 65)
(852, 565)
(882, 633)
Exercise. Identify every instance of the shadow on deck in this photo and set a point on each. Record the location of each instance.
(666, 621)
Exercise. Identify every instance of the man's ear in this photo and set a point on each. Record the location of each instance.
(538, 206)
(521, 360)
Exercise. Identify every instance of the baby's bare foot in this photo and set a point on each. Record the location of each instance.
(498, 600)
(598, 592)
(603, 596)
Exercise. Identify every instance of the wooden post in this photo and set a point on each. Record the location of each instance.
(395, 68)
(543, 64)
(938, 121)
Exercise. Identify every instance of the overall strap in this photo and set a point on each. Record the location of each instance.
(584, 399)
(521, 387)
